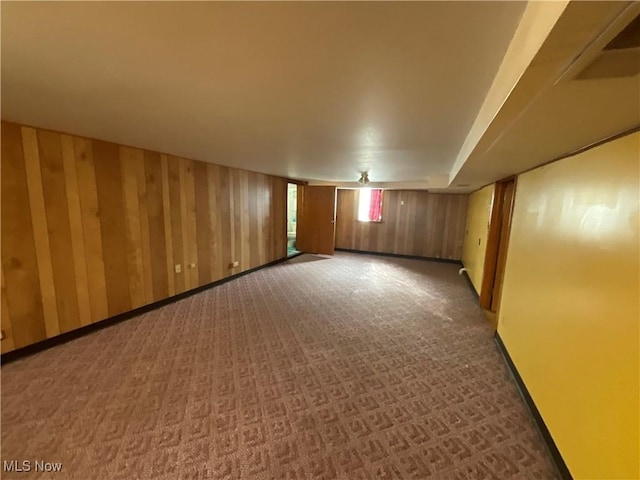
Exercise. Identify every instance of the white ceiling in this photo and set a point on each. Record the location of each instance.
(319, 91)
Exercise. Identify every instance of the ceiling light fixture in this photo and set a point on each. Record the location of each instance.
(364, 178)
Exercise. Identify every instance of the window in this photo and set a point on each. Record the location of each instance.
(370, 205)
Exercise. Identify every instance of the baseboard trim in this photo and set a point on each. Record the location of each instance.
(535, 413)
(398, 255)
(107, 322)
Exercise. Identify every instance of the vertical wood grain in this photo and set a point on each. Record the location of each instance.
(5, 319)
(59, 229)
(159, 231)
(390, 212)
(168, 230)
(253, 240)
(241, 197)
(113, 226)
(234, 222)
(129, 157)
(459, 225)
(40, 230)
(227, 228)
(397, 228)
(91, 228)
(216, 262)
(440, 223)
(268, 219)
(22, 292)
(430, 247)
(268, 213)
(379, 233)
(426, 224)
(410, 213)
(145, 236)
(191, 224)
(77, 232)
(260, 223)
(176, 206)
(203, 222)
(280, 217)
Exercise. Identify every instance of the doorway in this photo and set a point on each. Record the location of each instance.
(317, 219)
(497, 244)
(292, 219)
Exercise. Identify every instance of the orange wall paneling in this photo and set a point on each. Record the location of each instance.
(91, 229)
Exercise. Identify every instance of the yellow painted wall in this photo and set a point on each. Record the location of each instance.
(475, 238)
(570, 314)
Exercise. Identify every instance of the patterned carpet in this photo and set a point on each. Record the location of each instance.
(349, 367)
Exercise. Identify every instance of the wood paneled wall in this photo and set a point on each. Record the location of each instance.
(414, 222)
(92, 229)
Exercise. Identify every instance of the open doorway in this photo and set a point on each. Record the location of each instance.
(292, 218)
(497, 244)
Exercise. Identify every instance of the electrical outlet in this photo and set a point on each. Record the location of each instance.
(192, 265)
(178, 268)
(235, 264)
(1, 334)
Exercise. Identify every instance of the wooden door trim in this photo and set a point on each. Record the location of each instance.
(493, 239)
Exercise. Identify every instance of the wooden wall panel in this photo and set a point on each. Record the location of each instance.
(203, 223)
(129, 158)
(21, 291)
(77, 235)
(252, 213)
(259, 215)
(59, 229)
(191, 227)
(159, 231)
(168, 227)
(216, 268)
(279, 216)
(113, 226)
(5, 320)
(176, 202)
(235, 215)
(40, 230)
(144, 217)
(91, 229)
(414, 222)
(224, 189)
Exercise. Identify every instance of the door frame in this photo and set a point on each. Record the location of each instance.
(495, 247)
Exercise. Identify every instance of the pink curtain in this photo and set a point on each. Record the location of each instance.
(375, 207)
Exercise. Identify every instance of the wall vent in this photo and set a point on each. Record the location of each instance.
(619, 58)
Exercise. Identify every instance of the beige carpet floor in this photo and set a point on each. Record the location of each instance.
(349, 367)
